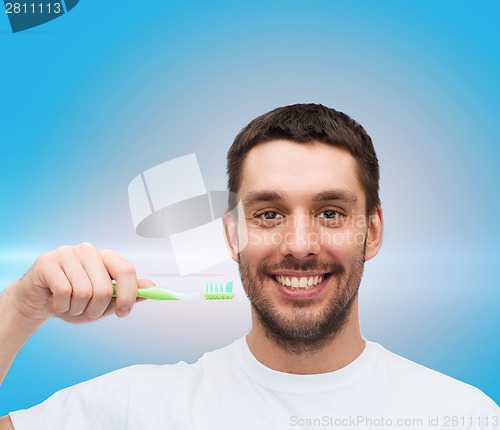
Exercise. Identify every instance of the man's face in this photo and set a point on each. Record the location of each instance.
(301, 263)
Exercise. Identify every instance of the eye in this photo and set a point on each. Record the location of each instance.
(331, 218)
(329, 214)
(267, 218)
(270, 215)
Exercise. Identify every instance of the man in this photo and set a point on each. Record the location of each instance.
(307, 219)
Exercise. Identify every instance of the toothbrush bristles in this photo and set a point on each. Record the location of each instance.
(219, 290)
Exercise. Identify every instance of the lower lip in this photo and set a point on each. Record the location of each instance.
(301, 293)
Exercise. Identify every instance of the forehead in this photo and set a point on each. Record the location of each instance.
(298, 169)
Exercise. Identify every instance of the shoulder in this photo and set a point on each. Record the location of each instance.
(422, 384)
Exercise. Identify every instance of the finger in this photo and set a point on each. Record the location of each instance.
(100, 279)
(110, 310)
(80, 283)
(60, 289)
(142, 283)
(145, 283)
(126, 281)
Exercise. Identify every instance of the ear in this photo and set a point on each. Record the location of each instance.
(375, 233)
(231, 233)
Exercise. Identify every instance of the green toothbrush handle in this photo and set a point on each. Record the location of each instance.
(213, 291)
(152, 293)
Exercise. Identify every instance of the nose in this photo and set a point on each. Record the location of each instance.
(301, 238)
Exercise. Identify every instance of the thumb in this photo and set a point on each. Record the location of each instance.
(144, 283)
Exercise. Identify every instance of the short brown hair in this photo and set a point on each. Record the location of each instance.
(305, 123)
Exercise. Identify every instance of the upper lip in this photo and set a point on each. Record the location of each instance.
(297, 274)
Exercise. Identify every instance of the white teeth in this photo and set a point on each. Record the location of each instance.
(302, 282)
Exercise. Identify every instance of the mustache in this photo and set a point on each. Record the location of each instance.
(292, 264)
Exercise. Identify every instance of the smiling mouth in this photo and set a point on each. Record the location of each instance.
(300, 283)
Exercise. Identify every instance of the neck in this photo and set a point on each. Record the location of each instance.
(338, 352)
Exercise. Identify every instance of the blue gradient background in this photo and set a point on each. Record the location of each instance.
(97, 96)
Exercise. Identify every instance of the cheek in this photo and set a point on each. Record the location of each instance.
(343, 244)
(262, 242)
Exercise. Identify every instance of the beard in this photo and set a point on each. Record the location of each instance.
(300, 330)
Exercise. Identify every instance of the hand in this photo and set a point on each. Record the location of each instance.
(74, 283)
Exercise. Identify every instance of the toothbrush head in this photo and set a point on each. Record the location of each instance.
(219, 291)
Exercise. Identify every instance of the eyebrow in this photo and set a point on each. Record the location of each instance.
(336, 194)
(272, 196)
(262, 196)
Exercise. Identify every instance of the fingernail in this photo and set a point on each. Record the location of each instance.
(124, 311)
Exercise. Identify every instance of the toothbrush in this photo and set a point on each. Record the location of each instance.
(213, 291)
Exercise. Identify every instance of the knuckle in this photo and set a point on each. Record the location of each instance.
(85, 248)
(103, 294)
(43, 264)
(63, 249)
(53, 258)
(50, 257)
(61, 254)
(82, 294)
(86, 245)
(128, 269)
(42, 260)
(61, 289)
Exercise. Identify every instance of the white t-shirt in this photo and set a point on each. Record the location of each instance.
(230, 389)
